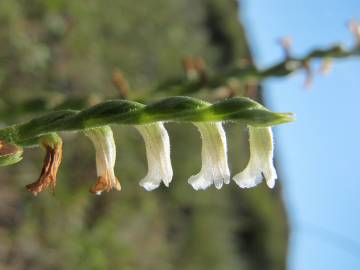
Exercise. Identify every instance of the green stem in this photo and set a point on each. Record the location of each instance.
(173, 109)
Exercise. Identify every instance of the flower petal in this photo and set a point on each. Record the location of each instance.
(157, 145)
(261, 159)
(214, 157)
(264, 138)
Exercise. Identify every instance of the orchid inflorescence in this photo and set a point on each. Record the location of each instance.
(149, 120)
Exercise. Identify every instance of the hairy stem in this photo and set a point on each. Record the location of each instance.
(173, 109)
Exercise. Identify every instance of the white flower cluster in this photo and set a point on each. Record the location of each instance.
(214, 168)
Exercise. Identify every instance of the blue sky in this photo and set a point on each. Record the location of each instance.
(319, 153)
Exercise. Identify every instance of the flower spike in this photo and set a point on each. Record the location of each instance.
(105, 149)
(261, 159)
(53, 146)
(148, 119)
(157, 145)
(214, 157)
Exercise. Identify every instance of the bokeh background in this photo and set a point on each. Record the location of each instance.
(319, 153)
(67, 52)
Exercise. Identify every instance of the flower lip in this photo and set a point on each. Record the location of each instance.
(105, 149)
(214, 169)
(157, 146)
(103, 184)
(261, 160)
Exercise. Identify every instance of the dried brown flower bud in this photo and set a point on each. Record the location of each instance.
(49, 171)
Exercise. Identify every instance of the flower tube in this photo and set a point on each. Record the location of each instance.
(261, 159)
(214, 167)
(157, 145)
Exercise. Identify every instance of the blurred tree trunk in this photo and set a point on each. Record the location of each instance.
(72, 48)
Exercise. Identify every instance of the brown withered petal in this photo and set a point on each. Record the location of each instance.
(104, 184)
(49, 171)
(120, 83)
(6, 149)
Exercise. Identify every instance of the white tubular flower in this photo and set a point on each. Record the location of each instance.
(261, 159)
(157, 145)
(105, 149)
(214, 157)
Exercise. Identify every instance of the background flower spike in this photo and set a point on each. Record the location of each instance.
(214, 169)
(105, 149)
(157, 145)
(261, 159)
(52, 144)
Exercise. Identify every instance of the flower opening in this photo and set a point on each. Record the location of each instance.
(261, 160)
(157, 146)
(214, 157)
